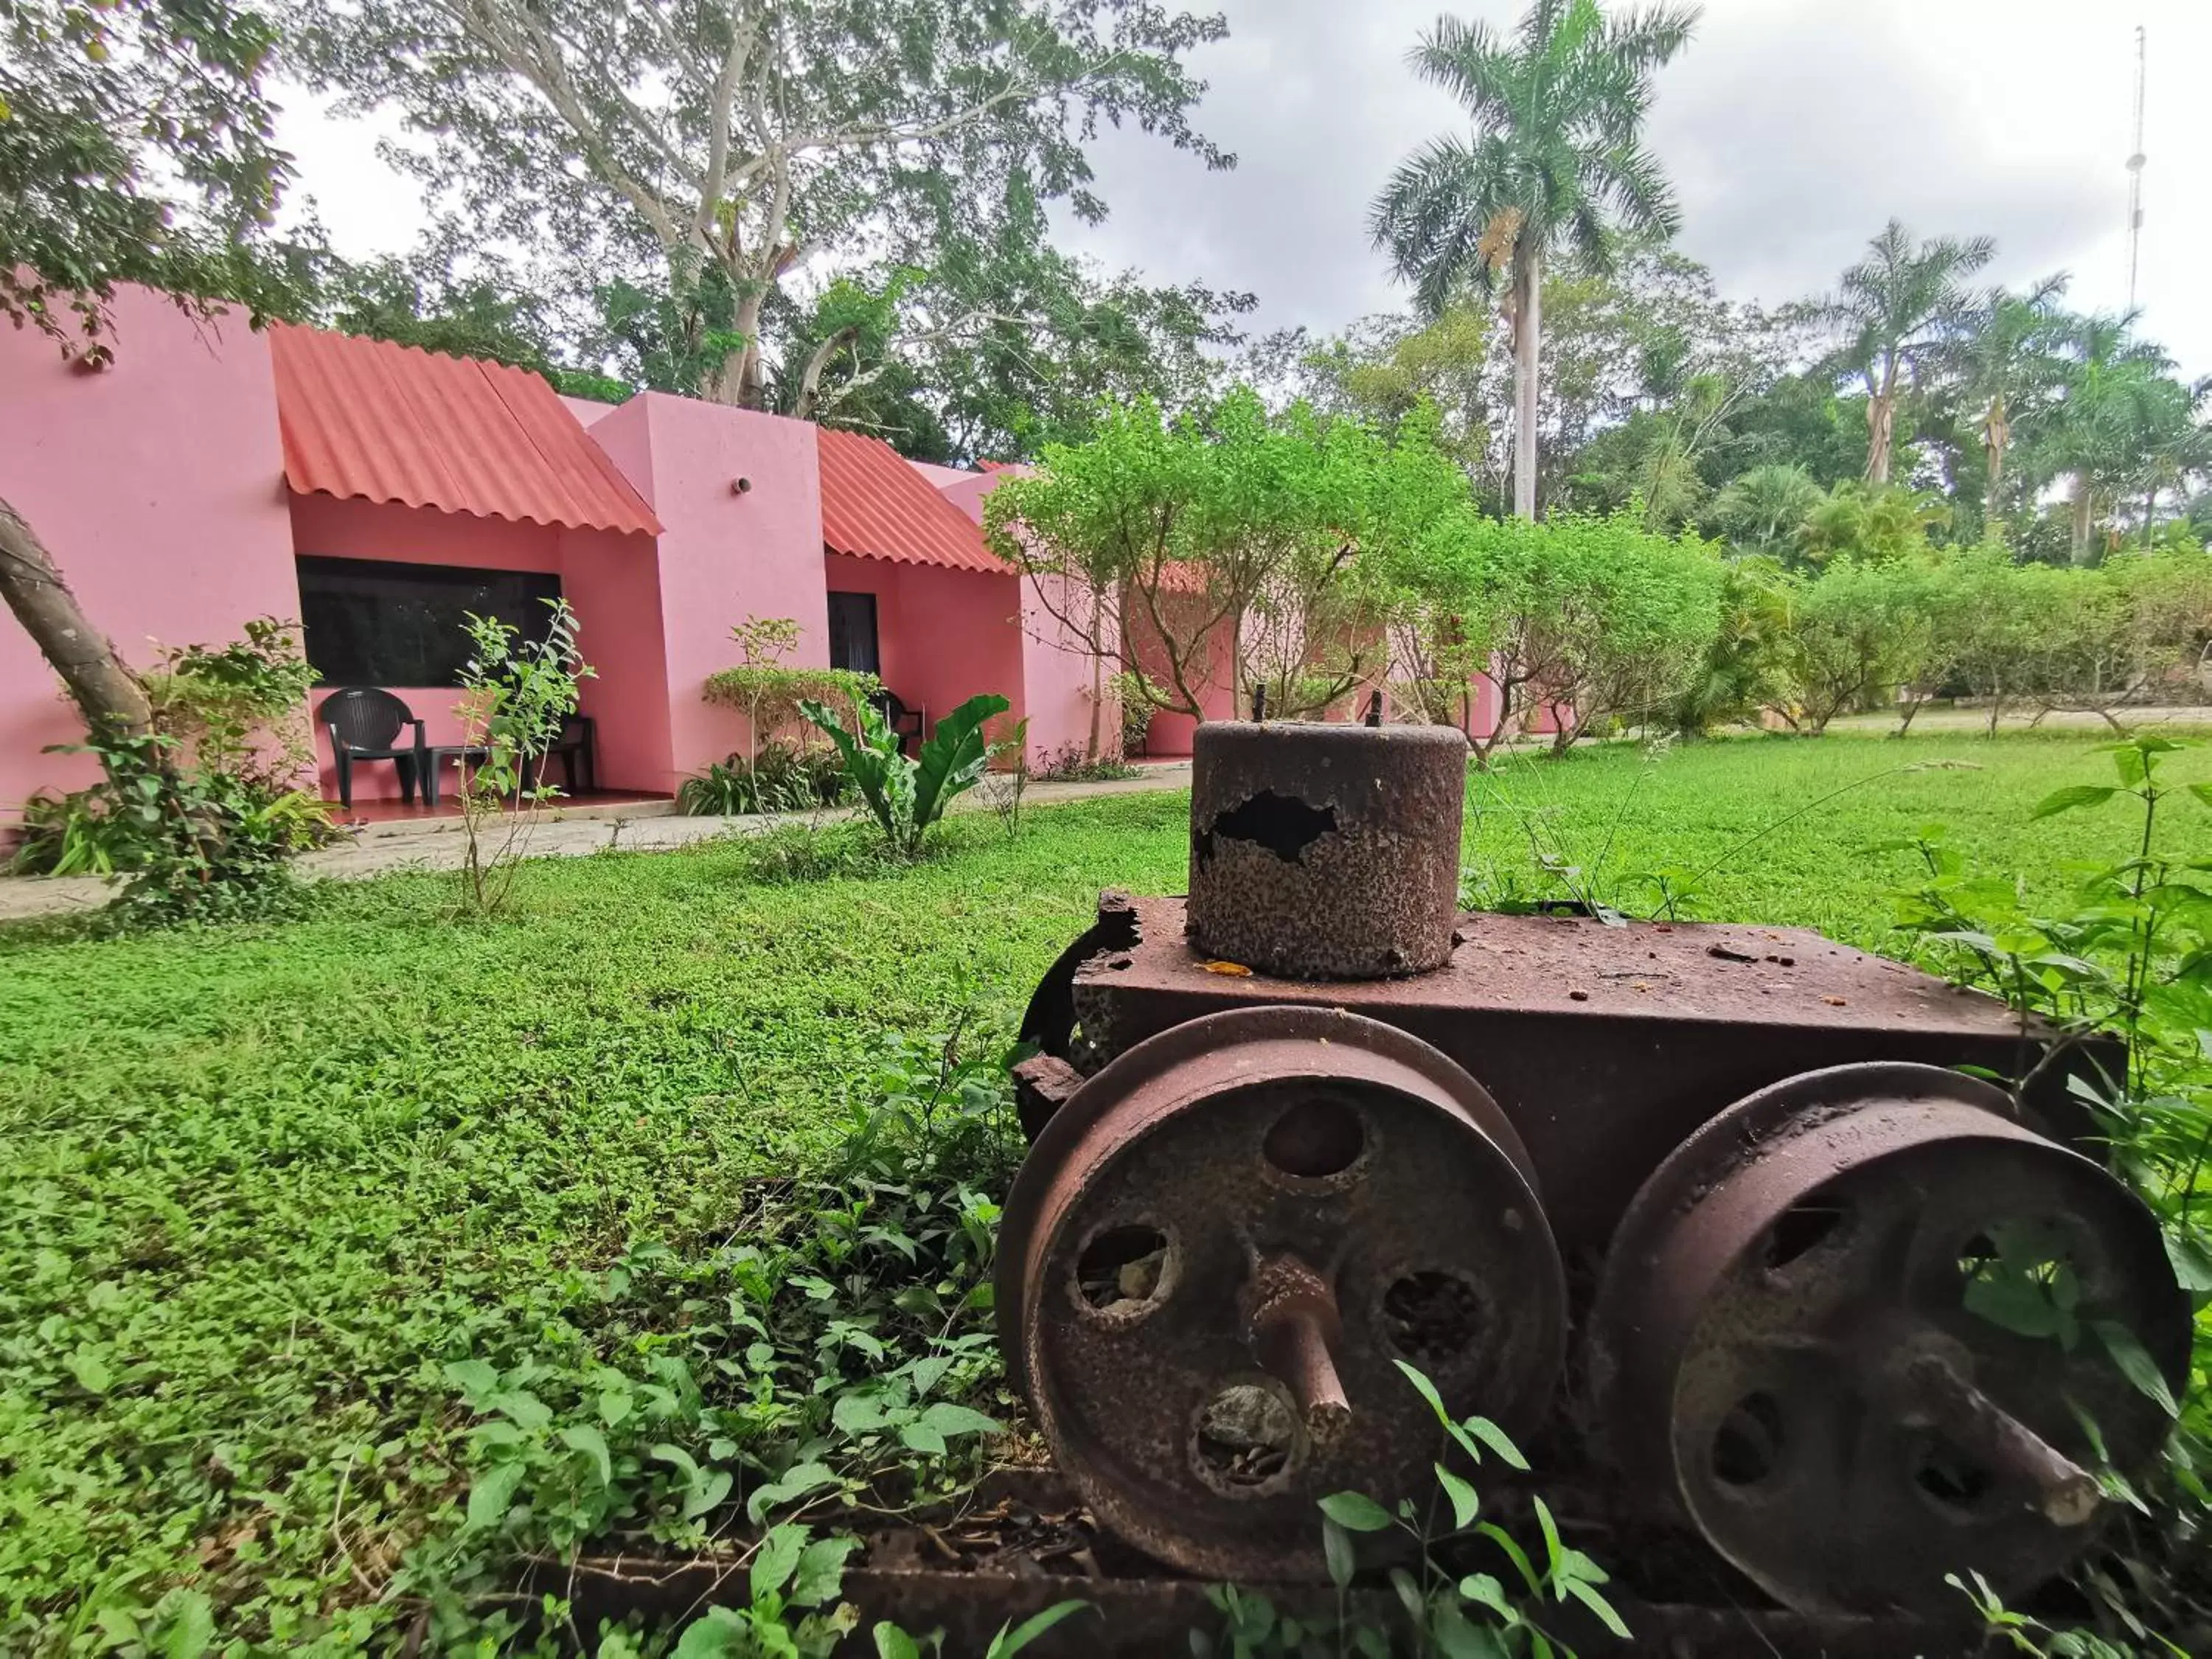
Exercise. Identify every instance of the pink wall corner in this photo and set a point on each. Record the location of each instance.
(942, 636)
(725, 555)
(1062, 680)
(1170, 734)
(157, 485)
(613, 582)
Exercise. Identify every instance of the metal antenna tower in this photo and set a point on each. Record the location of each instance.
(2136, 172)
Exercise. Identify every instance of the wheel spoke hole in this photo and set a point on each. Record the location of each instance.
(1748, 1444)
(1431, 1317)
(1954, 1484)
(1803, 1228)
(1125, 1270)
(2020, 1276)
(1248, 1439)
(1315, 1139)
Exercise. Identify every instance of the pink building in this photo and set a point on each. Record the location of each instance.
(375, 492)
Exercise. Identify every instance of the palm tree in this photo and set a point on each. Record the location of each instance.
(2011, 363)
(1763, 510)
(1903, 309)
(1555, 160)
(2118, 408)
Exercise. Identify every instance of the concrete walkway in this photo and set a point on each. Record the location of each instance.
(379, 849)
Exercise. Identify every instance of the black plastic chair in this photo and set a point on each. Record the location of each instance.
(578, 746)
(896, 715)
(364, 724)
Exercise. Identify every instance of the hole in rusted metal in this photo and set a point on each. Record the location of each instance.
(1747, 1445)
(1124, 1268)
(1803, 1227)
(1283, 825)
(1954, 1483)
(1248, 1439)
(1431, 1317)
(1315, 1140)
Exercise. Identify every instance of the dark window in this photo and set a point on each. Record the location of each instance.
(853, 633)
(369, 623)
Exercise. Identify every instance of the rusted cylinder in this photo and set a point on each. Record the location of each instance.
(1326, 852)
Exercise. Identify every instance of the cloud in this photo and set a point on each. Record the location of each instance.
(1792, 130)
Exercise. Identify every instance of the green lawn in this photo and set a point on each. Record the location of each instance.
(261, 1183)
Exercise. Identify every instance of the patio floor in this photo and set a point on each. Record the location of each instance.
(403, 812)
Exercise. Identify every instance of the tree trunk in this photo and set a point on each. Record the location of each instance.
(1881, 425)
(2082, 518)
(810, 383)
(1528, 339)
(1097, 688)
(1996, 433)
(742, 381)
(106, 693)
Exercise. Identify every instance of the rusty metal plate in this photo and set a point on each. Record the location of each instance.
(1849, 1324)
(1607, 1046)
(1219, 1247)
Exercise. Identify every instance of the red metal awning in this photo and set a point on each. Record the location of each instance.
(394, 424)
(875, 506)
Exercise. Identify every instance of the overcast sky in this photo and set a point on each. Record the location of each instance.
(1791, 129)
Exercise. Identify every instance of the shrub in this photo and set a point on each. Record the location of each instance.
(907, 795)
(782, 778)
(204, 810)
(769, 695)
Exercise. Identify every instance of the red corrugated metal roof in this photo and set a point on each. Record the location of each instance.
(874, 506)
(394, 424)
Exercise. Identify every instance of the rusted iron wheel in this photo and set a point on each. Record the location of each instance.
(1219, 1245)
(1847, 1328)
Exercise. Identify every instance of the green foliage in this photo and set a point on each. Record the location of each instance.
(1555, 158)
(463, 1139)
(202, 810)
(907, 795)
(674, 171)
(1855, 630)
(892, 1643)
(1452, 1612)
(792, 1574)
(1069, 764)
(780, 778)
(1219, 525)
(1596, 614)
(136, 146)
(2129, 950)
(1901, 311)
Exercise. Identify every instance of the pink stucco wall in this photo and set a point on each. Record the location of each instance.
(944, 636)
(610, 579)
(1061, 678)
(725, 556)
(156, 485)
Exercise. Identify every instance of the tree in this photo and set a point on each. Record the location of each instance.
(1855, 630)
(1637, 614)
(707, 152)
(1225, 537)
(1903, 309)
(2010, 367)
(1556, 160)
(134, 146)
(1763, 511)
(2117, 412)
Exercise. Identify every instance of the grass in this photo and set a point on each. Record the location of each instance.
(263, 1183)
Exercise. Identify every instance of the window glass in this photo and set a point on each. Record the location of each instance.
(853, 633)
(369, 623)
